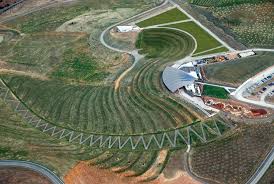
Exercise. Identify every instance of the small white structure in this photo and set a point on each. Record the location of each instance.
(191, 87)
(246, 54)
(125, 29)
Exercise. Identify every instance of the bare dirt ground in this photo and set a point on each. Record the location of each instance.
(21, 176)
(84, 174)
(173, 174)
(128, 36)
(181, 177)
(153, 169)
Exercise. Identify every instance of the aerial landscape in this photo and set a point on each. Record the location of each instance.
(144, 91)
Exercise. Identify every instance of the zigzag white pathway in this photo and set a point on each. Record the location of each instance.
(169, 139)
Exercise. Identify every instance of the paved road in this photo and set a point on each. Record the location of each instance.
(11, 6)
(102, 39)
(34, 167)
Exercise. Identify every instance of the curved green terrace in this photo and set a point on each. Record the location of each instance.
(195, 133)
(165, 43)
(139, 105)
(138, 114)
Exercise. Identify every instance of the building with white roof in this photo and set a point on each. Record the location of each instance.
(125, 29)
(246, 54)
(174, 79)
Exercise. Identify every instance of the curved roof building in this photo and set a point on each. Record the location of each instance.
(175, 79)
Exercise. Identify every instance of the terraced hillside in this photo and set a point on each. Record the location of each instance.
(22, 142)
(138, 106)
(60, 84)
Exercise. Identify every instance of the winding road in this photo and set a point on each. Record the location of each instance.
(34, 167)
(255, 178)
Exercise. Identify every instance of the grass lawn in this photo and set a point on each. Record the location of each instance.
(216, 92)
(168, 16)
(204, 40)
(78, 66)
(238, 71)
(218, 50)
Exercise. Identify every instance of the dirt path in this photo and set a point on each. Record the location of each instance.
(137, 58)
(23, 73)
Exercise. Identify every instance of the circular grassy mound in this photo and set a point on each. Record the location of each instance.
(164, 43)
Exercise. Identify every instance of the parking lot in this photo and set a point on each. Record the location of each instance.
(256, 89)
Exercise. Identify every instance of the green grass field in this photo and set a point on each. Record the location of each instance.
(55, 55)
(218, 50)
(238, 71)
(166, 17)
(78, 66)
(204, 40)
(216, 92)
